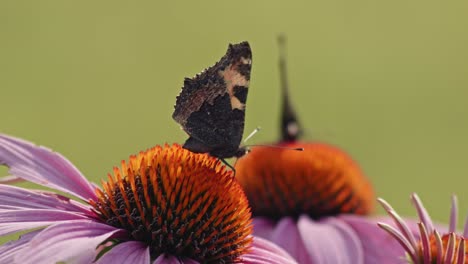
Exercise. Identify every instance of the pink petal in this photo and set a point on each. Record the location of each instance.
(9, 249)
(422, 213)
(263, 227)
(400, 238)
(400, 223)
(465, 228)
(13, 220)
(44, 167)
(265, 252)
(71, 242)
(287, 236)
(189, 261)
(411, 223)
(168, 259)
(12, 197)
(378, 245)
(330, 241)
(127, 252)
(10, 179)
(453, 215)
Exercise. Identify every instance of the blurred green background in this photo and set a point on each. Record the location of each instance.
(385, 80)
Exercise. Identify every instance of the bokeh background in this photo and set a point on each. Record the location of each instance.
(385, 80)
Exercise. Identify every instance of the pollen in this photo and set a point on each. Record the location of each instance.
(178, 203)
(319, 181)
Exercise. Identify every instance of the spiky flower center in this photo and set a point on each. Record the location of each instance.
(451, 248)
(178, 203)
(319, 181)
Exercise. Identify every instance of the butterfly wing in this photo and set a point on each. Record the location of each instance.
(211, 106)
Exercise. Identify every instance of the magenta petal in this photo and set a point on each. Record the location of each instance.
(127, 252)
(189, 261)
(13, 220)
(422, 212)
(12, 197)
(330, 241)
(263, 227)
(263, 251)
(411, 223)
(10, 179)
(378, 245)
(169, 259)
(44, 167)
(9, 249)
(71, 242)
(286, 235)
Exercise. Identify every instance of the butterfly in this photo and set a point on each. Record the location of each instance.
(211, 106)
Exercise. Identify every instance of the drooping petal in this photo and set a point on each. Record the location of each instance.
(71, 242)
(9, 249)
(330, 241)
(287, 236)
(168, 259)
(265, 252)
(263, 227)
(10, 179)
(15, 197)
(12, 221)
(261, 252)
(378, 245)
(128, 252)
(44, 167)
(189, 261)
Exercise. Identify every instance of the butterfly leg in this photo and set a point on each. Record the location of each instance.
(229, 165)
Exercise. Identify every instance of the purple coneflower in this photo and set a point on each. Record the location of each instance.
(430, 246)
(313, 203)
(165, 205)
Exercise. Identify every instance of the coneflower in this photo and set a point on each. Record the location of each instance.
(430, 245)
(313, 203)
(164, 205)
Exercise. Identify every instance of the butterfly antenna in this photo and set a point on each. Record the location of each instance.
(290, 128)
(252, 134)
(278, 147)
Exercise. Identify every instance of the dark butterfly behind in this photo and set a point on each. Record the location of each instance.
(211, 105)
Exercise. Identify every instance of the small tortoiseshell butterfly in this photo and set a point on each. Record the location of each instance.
(211, 105)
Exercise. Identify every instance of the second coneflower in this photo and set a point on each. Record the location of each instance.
(430, 245)
(164, 205)
(312, 203)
